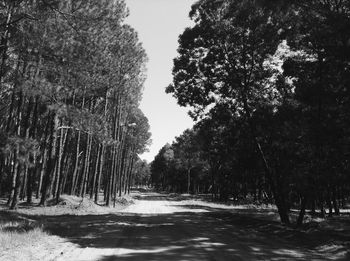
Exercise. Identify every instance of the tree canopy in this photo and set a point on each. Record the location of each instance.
(72, 75)
(268, 85)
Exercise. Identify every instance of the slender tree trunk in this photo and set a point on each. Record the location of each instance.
(59, 162)
(31, 171)
(329, 203)
(87, 165)
(14, 178)
(126, 175)
(17, 189)
(94, 179)
(77, 154)
(123, 151)
(335, 203)
(42, 171)
(302, 210)
(342, 197)
(103, 151)
(121, 169)
(23, 190)
(212, 182)
(188, 180)
(110, 179)
(130, 177)
(76, 165)
(67, 163)
(106, 176)
(31, 178)
(278, 196)
(26, 134)
(44, 159)
(115, 177)
(51, 161)
(313, 207)
(322, 210)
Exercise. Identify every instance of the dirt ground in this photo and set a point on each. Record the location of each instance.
(168, 227)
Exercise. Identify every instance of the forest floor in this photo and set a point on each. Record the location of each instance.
(166, 227)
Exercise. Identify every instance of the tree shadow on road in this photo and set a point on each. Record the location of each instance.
(215, 234)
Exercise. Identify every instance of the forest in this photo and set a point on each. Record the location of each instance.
(71, 75)
(262, 174)
(267, 84)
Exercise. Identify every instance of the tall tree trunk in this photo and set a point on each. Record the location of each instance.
(77, 154)
(123, 159)
(132, 161)
(277, 194)
(31, 173)
(59, 163)
(103, 151)
(76, 165)
(18, 132)
(102, 158)
(17, 189)
(14, 178)
(329, 203)
(65, 163)
(335, 203)
(23, 190)
(110, 178)
(44, 160)
(51, 161)
(26, 134)
(94, 179)
(87, 165)
(115, 177)
(302, 210)
(31, 178)
(188, 180)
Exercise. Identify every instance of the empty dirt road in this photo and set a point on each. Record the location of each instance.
(165, 228)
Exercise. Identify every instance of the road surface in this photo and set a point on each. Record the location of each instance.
(166, 228)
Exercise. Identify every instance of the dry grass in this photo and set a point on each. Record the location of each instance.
(26, 240)
(23, 238)
(72, 205)
(19, 238)
(19, 234)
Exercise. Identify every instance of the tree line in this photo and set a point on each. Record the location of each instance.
(268, 86)
(71, 74)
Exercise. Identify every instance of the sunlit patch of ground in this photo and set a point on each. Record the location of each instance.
(144, 207)
(93, 254)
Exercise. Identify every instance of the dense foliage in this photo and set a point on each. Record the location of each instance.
(71, 75)
(268, 84)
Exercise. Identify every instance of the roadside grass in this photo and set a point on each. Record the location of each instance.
(68, 205)
(20, 234)
(24, 234)
(25, 239)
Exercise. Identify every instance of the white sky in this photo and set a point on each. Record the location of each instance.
(159, 23)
